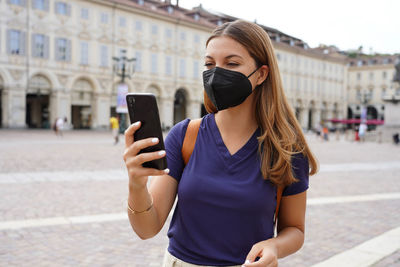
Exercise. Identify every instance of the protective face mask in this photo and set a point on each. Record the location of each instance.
(226, 88)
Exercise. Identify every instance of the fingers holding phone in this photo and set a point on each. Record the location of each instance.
(134, 160)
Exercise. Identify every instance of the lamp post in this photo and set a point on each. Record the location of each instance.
(123, 67)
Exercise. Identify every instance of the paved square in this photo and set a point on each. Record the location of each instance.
(63, 201)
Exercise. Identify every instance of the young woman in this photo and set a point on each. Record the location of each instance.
(248, 145)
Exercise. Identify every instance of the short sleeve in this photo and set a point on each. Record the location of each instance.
(300, 171)
(173, 149)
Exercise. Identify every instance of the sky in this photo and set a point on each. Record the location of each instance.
(347, 24)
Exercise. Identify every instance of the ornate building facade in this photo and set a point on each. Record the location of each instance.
(370, 80)
(56, 61)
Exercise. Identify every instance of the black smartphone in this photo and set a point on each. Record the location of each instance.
(143, 107)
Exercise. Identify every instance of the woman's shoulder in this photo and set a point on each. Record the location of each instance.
(178, 130)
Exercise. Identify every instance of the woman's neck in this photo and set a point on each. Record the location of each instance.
(238, 120)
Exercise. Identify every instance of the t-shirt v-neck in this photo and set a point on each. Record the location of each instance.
(227, 157)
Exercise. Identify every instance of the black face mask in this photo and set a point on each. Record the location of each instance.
(226, 88)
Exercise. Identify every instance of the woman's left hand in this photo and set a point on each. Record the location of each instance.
(266, 251)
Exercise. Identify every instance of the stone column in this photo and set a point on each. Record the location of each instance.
(15, 106)
(101, 111)
(166, 111)
(193, 109)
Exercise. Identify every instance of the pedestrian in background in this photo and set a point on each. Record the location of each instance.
(114, 122)
(362, 131)
(59, 126)
(248, 145)
(325, 132)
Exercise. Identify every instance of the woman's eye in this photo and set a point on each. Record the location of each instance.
(233, 64)
(208, 64)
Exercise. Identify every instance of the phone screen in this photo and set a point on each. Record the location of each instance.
(143, 108)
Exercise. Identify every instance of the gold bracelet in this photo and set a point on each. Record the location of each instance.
(138, 212)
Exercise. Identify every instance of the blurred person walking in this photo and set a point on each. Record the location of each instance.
(249, 161)
(114, 122)
(362, 131)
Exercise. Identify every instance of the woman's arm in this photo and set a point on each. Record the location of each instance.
(163, 192)
(291, 221)
(151, 206)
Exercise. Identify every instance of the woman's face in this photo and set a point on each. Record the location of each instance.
(224, 52)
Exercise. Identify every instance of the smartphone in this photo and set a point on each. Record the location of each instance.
(143, 107)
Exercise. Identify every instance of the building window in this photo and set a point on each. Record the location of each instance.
(182, 68)
(195, 69)
(139, 26)
(359, 63)
(384, 75)
(16, 42)
(183, 36)
(196, 38)
(63, 8)
(383, 93)
(40, 46)
(154, 63)
(154, 29)
(84, 13)
(138, 65)
(84, 53)
(103, 56)
(63, 49)
(371, 76)
(104, 18)
(196, 17)
(17, 2)
(168, 65)
(358, 76)
(168, 33)
(122, 21)
(41, 4)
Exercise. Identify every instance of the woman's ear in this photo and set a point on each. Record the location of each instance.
(263, 74)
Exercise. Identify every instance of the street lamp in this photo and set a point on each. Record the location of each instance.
(123, 67)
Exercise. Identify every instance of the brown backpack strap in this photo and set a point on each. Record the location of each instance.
(190, 139)
(278, 202)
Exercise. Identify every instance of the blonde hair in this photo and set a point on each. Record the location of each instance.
(281, 135)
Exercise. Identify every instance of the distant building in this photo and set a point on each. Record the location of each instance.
(370, 79)
(56, 61)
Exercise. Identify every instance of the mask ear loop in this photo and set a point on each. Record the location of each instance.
(253, 72)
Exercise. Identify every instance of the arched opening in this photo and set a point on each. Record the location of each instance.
(311, 116)
(349, 113)
(1, 106)
(324, 112)
(372, 114)
(81, 104)
(180, 106)
(37, 102)
(298, 110)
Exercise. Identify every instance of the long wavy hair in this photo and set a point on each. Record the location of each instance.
(281, 135)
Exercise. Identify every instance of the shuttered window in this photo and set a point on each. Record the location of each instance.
(63, 49)
(16, 42)
(40, 46)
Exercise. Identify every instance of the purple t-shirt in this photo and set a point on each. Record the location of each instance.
(224, 205)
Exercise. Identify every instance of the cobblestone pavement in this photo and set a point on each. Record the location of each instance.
(82, 174)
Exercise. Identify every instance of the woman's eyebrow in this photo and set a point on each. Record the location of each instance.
(227, 57)
(233, 55)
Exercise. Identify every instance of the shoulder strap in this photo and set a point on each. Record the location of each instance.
(190, 139)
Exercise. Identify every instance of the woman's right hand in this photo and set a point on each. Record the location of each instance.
(138, 175)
